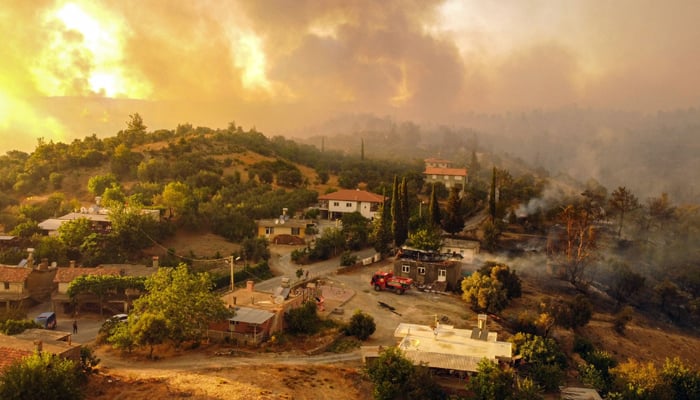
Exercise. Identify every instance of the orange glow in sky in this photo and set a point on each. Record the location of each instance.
(73, 68)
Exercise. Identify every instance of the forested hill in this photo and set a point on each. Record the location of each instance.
(217, 179)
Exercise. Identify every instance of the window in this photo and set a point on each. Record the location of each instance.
(269, 230)
(7, 285)
(296, 231)
(442, 273)
(405, 269)
(336, 204)
(421, 270)
(348, 205)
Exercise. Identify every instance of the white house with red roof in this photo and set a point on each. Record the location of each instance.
(440, 170)
(334, 205)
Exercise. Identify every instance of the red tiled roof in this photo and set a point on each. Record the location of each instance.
(67, 274)
(10, 355)
(14, 274)
(353, 195)
(445, 171)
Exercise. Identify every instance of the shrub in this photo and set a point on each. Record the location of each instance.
(622, 318)
(304, 319)
(361, 326)
(41, 376)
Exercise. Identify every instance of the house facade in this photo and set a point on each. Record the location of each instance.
(441, 272)
(440, 170)
(66, 275)
(98, 216)
(26, 283)
(467, 249)
(285, 230)
(334, 205)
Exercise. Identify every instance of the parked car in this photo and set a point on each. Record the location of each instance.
(47, 320)
(118, 317)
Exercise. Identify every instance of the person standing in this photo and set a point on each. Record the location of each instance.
(75, 326)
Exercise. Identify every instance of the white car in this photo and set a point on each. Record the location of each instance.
(118, 317)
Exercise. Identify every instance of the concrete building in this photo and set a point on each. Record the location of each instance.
(66, 275)
(259, 315)
(334, 205)
(441, 272)
(14, 348)
(285, 230)
(440, 170)
(26, 283)
(467, 249)
(447, 348)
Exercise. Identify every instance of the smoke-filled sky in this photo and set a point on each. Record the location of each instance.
(71, 68)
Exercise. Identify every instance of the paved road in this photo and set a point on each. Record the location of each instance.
(283, 265)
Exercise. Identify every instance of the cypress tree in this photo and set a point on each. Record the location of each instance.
(434, 209)
(395, 211)
(454, 221)
(492, 196)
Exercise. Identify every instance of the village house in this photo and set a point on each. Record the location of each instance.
(440, 170)
(26, 283)
(467, 249)
(334, 205)
(259, 315)
(66, 275)
(446, 348)
(15, 348)
(429, 269)
(98, 216)
(285, 230)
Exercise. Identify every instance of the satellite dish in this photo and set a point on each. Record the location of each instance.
(279, 300)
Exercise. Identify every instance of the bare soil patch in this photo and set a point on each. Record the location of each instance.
(195, 244)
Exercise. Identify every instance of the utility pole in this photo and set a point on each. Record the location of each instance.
(232, 271)
(232, 261)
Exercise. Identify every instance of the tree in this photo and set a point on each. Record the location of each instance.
(492, 195)
(492, 382)
(42, 376)
(73, 234)
(101, 285)
(361, 325)
(484, 293)
(543, 360)
(569, 314)
(304, 319)
(390, 373)
(434, 208)
(98, 183)
(149, 330)
(381, 236)
(622, 201)
(131, 230)
(399, 226)
(356, 230)
(177, 197)
(625, 282)
(187, 316)
(580, 241)
(425, 239)
(502, 273)
(454, 220)
(683, 381)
